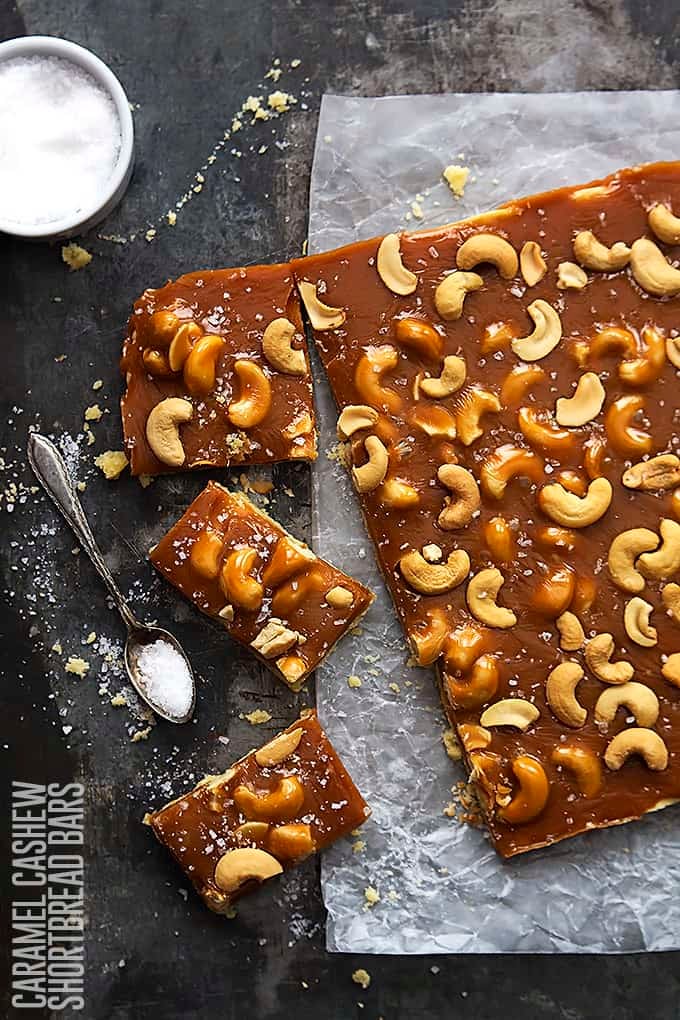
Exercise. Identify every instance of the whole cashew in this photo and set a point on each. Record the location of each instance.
(570, 276)
(641, 701)
(671, 669)
(156, 362)
(482, 592)
(554, 590)
(646, 368)
(253, 405)
(464, 647)
(664, 224)
(584, 404)
(592, 254)
(419, 336)
(162, 429)
(477, 689)
(510, 712)
(673, 351)
(278, 805)
(518, 382)
(244, 864)
(584, 765)
(434, 578)
(636, 620)
(540, 431)
(532, 796)
(624, 551)
(560, 690)
(236, 581)
(652, 270)
(449, 381)
(637, 740)
(488, 248)
(290, 557)
(321, 316)
(598, 653)
(532, 263)
(473, 737)
(339, 597)
(277, 347)
(278, 749)
(181, 344)
(471, 406)
(665, 561)
(435, 420)
(392, 270)
(427, 636)
(368, 377)
(399, 494)
(291, 842)
(662, 472)
(572, 635)
(354, 418)
(200, 367)
(670, 594)
(545, 336)
(574, 511)
(163, 326)
(371, 474)
(452, 291)
(463, 484)
(206, 553)
(499, 540)
(508, 462)
(626, 439)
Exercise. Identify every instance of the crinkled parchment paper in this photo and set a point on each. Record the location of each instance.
(442, 888)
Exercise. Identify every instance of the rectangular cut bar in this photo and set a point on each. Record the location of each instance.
(519, 498)
(276, 806)
(229, 345)
(269, 590)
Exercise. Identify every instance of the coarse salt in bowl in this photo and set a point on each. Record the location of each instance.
(66, 138)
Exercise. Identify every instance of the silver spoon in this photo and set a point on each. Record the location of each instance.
(52, 473)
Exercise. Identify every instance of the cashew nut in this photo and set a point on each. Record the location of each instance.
(572, 635)
(662, 472)
(200, 367)
(280, 748)
(540, 431)
(545, 336)
(624, 551)
(637, 740)
(472, 737)
(598, 653)
(355, 417)
(554, 591)
(321, 316)
(584, 404)
(560, 690)
(278, 349)
(665, 561)
(465, 645)
(236, 581)
(652, 270)
(274, 639)
(636, 620)
(571, 277)
(182, 342)
(673, 351)
(252, 832)
(518, 382)
(499, 540)
(505, 463)
(477, 689)
(641, 701)
(664, 224)
(510, 712)
(419, 336)
(427, 636)
(462, 483)
(371, 474)
(339, 597)
(392, 270)
(592, 254)
(481, 594)
(244, 864)
(291, 842)
(671, 669)
(626, 439)
(434, 578)
(206, 553)
(488, 248)
(163, 326)
(256, 396)
(156, 362)
(368, 375)
(294, 669)
(399, 494)
(532, 263)
(670, 594)
(532, 796)
(576, 511)
(289, 557)
(553, 537)
(472, 404)
(646, 368)
(584, 765)
(451, 293)
(451, 378)
(162, 429)
(280, 804)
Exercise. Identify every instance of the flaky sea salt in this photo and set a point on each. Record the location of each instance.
(59, 140)
(164, 677)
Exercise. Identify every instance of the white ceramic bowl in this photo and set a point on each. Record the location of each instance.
(48, 46)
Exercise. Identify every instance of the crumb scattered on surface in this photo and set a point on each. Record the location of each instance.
(372, 896)
(97, 384)
(354, 681)
(112, 463)
(140, 735)
(417, 210)
(465, 806)
(77, 666)
(257, 716)
(145, 480)
(119, 700)
(361, 977)
(56, 647)
(359, 846)
(94, 413)
(91, 638)
(395, 688)
(280, 102)
(171, 217)
(453, 748)
(75, 257)
(150, 234)
(456, 177)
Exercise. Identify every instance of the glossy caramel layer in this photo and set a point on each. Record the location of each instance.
(500, 426)
(241, 568)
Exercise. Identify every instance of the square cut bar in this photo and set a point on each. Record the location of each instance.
(268, 589)
(266, 813)
(508, 513)
(217, 373)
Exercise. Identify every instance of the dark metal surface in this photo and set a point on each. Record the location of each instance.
(152, 951)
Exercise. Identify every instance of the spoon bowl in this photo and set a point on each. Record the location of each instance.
(137, 639)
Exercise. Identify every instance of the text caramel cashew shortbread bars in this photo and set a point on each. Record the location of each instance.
(509, 395)
(265, 814)
(217, 373)
(269, 590)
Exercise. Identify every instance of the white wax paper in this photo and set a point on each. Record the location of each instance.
(442, 887)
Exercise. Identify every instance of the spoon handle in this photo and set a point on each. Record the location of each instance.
(52, 473)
